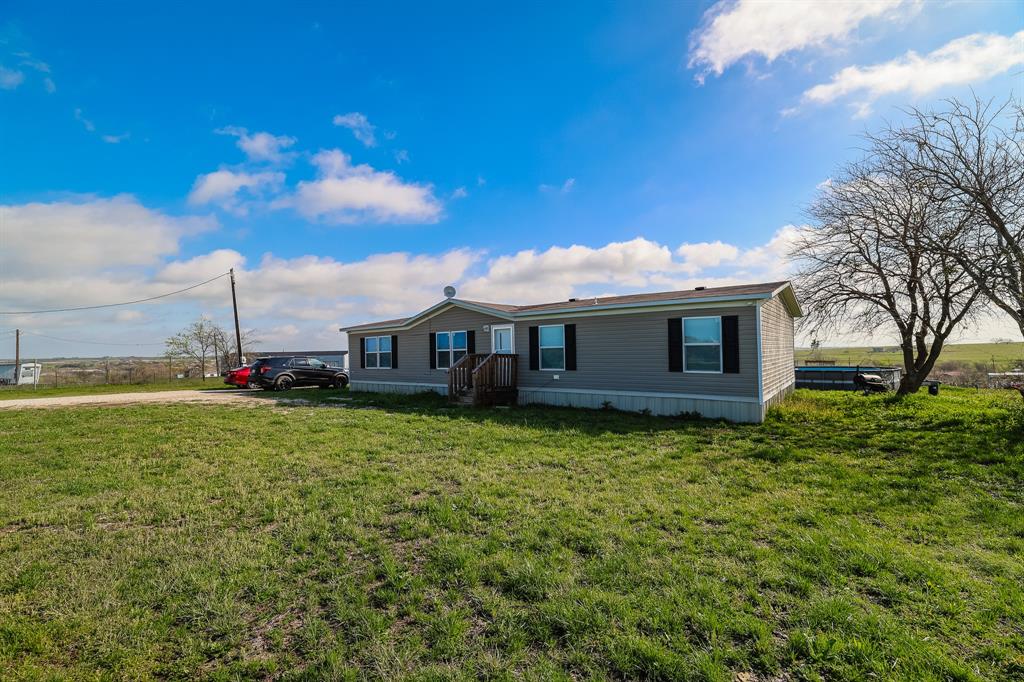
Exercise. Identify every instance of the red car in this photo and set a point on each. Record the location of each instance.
(238, 377)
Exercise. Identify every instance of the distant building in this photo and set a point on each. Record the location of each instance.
(1004, 379)
(335, 358)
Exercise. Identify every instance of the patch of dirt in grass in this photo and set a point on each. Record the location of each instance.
(754, 677)
(29, 527)
(258, 645)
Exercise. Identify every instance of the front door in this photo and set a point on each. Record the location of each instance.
(502, 339)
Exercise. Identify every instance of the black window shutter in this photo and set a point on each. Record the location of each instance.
(433, 350)
(471, 341)
(534, 348)
(731, 344)
(675, 344)
(394, 351)
(570, 348)
(362, 352)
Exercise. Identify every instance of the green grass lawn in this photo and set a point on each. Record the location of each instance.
(846, 538)
(996, 356)
(16, 392)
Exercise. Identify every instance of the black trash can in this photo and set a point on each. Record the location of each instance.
(933, 388)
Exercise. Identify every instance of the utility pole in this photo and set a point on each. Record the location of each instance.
(238, 331)
(17, 356)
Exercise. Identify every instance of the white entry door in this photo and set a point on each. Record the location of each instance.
(502, 339)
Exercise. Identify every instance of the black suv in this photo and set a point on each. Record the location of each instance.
(280, 374)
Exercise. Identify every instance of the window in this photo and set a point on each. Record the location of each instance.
(702, 344)
(552, 347)
(378, 352)
(450, 347)
(317, 364)
(300, 362)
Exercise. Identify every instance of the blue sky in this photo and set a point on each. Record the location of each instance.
(351, 161)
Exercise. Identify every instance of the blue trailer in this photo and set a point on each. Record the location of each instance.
(841, 378)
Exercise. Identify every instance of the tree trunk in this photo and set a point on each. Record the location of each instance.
(916, 371)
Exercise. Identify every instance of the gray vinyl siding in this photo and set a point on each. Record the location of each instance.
(629, 352)
(413, 348)
(777, 348)
(625, 353)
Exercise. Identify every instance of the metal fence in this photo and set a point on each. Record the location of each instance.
(52, 374)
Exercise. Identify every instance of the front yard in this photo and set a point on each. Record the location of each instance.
(847, 538)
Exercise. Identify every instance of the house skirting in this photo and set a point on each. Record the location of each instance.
(714, 407)
(397, 387)
(736, 409)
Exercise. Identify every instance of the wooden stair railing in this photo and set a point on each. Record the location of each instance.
(495, 379)
(487, 379)
(460, 375)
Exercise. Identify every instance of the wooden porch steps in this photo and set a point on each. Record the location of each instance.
(484, 379)
(462, 399)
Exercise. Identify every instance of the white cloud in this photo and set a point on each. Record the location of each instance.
(199, 268)
(284, 331)
(260, 146)
(31, 62)
(86, 123)
(128, 315)
(343, 193)
(625, 267)
(531, 276)
(970, 59)
(321, 289)
(10, 78)
(116, 249)
(460, 193)
(95, 235)
(734, 30)
(360, 126)
(402, 156)
(697, 257)
(222, 188)
(564, 188)
(91, 127)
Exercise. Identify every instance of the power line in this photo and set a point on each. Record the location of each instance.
(97, 343)
(111, 305)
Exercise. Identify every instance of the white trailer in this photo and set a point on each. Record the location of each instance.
(28, 376)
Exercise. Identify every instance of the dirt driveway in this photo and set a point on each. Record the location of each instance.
(191, 396)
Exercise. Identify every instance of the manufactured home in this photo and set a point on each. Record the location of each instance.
(722, 352)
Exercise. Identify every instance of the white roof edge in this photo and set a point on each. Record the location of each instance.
(569, 312)
(415, 319)
(795, 309)
(640, 304)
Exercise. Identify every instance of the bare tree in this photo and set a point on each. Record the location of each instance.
(225, 343)
(973, 154)
(195, 342)
(865, 262)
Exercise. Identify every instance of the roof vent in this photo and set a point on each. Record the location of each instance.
(699, 288)
(573, 300)
(449, 292)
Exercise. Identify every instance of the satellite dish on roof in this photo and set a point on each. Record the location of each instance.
(449, 291)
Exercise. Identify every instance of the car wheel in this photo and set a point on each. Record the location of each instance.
(340, 381)
(284, 383)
